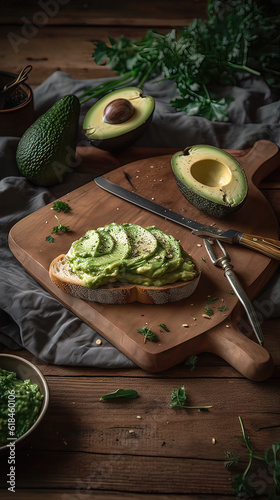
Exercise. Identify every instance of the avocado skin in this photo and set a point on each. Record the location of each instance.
(46, 151)
(115, 143)
(207, 206)
(203, 203)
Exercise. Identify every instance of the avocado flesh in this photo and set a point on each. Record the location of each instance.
(113, 136)
(211, 179)
(137, 256)
(46, 151)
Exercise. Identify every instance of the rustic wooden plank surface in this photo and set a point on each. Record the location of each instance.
(85, 446)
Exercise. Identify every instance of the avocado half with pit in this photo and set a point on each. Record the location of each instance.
(119, 118)
(210, 179)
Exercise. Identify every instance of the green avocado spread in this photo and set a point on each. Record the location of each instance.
(20, 404)
(129, 253)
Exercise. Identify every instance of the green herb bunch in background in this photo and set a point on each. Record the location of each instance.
(239, 39)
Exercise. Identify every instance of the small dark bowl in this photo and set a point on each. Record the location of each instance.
(18, 114)
(26, 370)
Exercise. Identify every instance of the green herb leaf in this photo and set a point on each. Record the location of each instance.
(222, 308)
(211, 300)
(50, 239)
(162, 325)
(61, 206)
(231, 459)
(121, 393)
(191, 361)
(203, 259)
(60, 228)
(241, 483)
(148, 334)
(209, 311)
(178, 399)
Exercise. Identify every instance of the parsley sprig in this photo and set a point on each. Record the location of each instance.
(239, 39)
(60, 227)
(241, 484)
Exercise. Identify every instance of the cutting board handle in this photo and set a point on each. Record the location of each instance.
(246, 356)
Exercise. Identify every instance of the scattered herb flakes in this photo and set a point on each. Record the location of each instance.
(162, 325)
(241, 484)
(50, 239)
(203, 259)
(222, 308)
(120, 393)
(191, 362)
(178, 400)
(211, 300)
(61, 206)
(148, 334)
(231, 292)
(60, 227)
(209, 311)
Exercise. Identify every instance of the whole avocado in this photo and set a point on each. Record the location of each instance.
(46, 151)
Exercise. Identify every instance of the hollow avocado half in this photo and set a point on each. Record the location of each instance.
(119, 118)
(210, 179)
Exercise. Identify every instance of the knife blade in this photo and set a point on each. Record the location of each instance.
(266, 246)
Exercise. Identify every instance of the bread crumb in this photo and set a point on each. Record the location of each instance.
(98, 341)
(214, 441)
(206, 316)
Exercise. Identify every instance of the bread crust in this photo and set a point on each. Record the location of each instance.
(118, 293)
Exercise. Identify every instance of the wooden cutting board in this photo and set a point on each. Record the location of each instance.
(91, 207)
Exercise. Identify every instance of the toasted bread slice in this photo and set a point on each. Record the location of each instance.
(118, 293)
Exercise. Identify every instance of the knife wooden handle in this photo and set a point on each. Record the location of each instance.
(261, 244)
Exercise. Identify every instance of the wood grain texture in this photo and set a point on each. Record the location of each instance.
(119, 325)
(108, 12)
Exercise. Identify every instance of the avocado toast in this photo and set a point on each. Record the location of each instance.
(121, 263)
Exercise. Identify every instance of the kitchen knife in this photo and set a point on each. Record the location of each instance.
(266, 246)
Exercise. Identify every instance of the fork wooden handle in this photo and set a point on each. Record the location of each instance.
(261, 244)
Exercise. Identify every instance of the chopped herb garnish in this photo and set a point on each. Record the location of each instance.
(202, 258)
(209, 311)
(60, 227)
(61, 206)
(120, 393)
(162, 325)
(148, 334)
(231, 292)
(50, 239)
(178, 400)
(210, 300)
(222, 308)
(191, 362)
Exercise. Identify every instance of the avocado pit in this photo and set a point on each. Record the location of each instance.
(118, 119)
(118, 111)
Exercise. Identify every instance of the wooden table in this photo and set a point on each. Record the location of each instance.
(129, 449)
